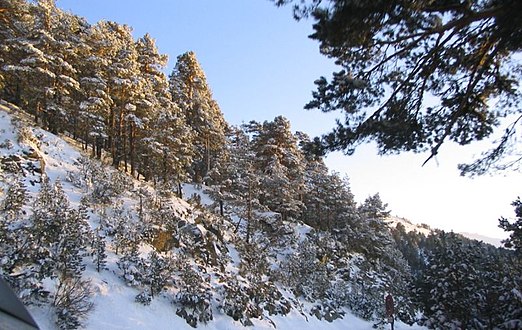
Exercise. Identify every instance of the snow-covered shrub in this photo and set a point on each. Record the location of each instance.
(254, 268)
(274, 302)
(26, 136)
(27, 283)
(131, 266)
(325, 310)
(7, 144)
(242, 300)
(144, 297)
(103, 184)
(72, 302)
(98, 250)
(305, 272)
(236, 302)
(157, 272)
(194, 297)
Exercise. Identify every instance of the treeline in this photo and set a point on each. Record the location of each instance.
(460, 283)
(107, 90)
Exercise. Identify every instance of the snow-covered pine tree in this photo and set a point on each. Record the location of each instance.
(451, 284)
(61, 36)
(122, 225)
(46, 65)
(280, 165)
(305, 271)
(13, 235)
(60, 232)
(94, 110)
(98, 249)
(237, 181)
(194, 295)
(50, 208)
(123, 74)
(131, 266)
(16, 22)
(73, 239)
(14, 201)
(158, 271)
(167, 148)
(190, 91)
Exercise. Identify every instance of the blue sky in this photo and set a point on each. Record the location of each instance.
(260, 64)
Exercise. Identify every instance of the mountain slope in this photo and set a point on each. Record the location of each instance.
(426, 230)
(207, 246)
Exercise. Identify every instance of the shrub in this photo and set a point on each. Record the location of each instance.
(72, 302)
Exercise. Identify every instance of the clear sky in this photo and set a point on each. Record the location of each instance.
(260, 64)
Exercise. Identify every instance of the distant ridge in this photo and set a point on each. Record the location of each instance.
(426, 230)
(490, 240)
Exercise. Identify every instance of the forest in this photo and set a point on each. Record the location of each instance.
(302, 241)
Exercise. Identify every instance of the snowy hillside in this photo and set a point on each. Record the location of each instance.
(393, 221)
(486, 239)
(28, 152)
(424, 229)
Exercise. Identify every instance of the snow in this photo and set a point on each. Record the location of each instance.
(114, 306)
(409, 226)
(426, 230)
(191, 190)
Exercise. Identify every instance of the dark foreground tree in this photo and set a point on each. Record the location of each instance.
(415, 74)
(514, 241)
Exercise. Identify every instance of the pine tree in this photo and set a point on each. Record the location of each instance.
(280, 164)
(194, 296)
(190, 91)
(59, 231)
(13, 236)
(238, 181)
(16, 24)
(167, 148)
(98, 250)
(451, 284)
(46, 53)
(306, 273)
(158, 272)
(96, 106)
(515, 238)
(14, 201)
(73, 242)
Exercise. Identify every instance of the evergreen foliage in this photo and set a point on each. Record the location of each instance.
(104, 88)
(98, 250)
(59, 233)
(158, 270)
(194, 296)
(191, 93)
(279, 162)
(396, 57)
(515, 229)
(467, 284)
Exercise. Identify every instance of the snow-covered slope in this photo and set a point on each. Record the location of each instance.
(489, 240)
(393, 221)
(114, 300)
(424, 229)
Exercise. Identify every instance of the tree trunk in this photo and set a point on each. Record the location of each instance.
(132, 156)
(249, 212)
(111, 141)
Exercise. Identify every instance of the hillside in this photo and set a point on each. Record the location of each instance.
(27, 153)
(424, 229)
